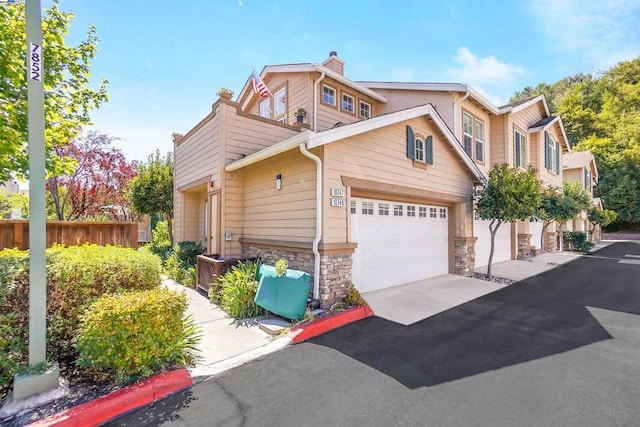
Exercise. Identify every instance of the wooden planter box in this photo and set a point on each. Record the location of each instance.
(209, 266)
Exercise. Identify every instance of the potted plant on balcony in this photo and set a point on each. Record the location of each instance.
(301, 113)
(225, 93)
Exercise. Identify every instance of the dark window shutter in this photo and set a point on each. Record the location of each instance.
(557, 157)
(516, 146)
(429, 149)
(547, 151)
(411, 143)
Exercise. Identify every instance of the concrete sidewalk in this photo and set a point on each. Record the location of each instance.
(226, 342)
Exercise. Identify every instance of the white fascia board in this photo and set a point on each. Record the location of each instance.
(564, 134)
(545, 127)
(342, 79)
(528, 104)
(484, 101)
(434, 87)
(281, 147)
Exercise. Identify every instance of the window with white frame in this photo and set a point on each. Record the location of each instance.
(552, 153)
(367, 208)
(422, 211)
(419, 149)
(365, 110)
(328, 95)
(397, 210)
(520, 148)
(280, 100)
(433, 213)
(411, 211)
(479, 135)
(383, 209)
(348, 103)
(443, 213)
(587, 179)
(265, 108)
(353, 206)
(467, 131)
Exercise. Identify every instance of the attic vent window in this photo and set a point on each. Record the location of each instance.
(328, 95)
(365, 110)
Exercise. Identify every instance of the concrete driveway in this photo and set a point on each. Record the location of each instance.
(410, 303)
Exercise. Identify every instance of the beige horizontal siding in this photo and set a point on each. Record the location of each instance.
(380, 155)
(287, 214)
(198, 155)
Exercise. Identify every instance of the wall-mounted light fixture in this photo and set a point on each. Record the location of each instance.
(278, 182)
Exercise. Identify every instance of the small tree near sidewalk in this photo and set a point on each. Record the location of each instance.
(511, 194)
(152, 190)
(601, 217)
(562, 206)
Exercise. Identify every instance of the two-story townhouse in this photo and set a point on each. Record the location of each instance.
(581, 166)
(521, 133)
(375, 189)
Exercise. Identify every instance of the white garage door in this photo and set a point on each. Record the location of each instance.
(397, 243)
(502, 251)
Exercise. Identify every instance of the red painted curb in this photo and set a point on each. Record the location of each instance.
(334, 321)
(106, 407)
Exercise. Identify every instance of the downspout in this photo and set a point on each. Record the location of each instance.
(455, 112)
(316, 241)
(315, 102)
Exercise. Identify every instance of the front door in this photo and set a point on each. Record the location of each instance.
(214, 238)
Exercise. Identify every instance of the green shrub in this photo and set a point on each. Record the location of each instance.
(578, 241)
(236, 289)
(353, 297)
(137, 334)
(160, 241)
(76, 276)
(180, 265)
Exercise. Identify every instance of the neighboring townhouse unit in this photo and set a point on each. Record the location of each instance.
(581, 166)
(375, 189)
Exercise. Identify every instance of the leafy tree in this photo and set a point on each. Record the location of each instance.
(98, 185)
(152, 190)
(600, 217)
(562, 206)
(510, 195)
(68, 97)
(601, 113)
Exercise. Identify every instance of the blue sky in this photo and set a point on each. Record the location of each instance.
(165, 60)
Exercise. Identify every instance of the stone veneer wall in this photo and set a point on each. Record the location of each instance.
(464, 255)
(524, 246)
(335, 269)
(552, 241)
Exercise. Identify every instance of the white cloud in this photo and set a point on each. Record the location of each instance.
(604, 32)
(473, 69)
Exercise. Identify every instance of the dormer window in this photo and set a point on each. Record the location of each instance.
(328, 95)
(365, 110)
(520, 149)
(348, 103)
(419, 149)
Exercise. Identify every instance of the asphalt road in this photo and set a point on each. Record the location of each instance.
(558, 349)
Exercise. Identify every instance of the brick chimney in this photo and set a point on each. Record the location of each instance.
(334, 63)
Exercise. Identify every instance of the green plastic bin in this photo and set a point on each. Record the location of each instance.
(285, 296)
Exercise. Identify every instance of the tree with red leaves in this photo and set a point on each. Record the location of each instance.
(97, 186)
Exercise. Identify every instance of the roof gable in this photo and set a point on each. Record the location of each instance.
(317, 139)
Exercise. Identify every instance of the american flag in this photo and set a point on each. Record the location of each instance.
(258, 85)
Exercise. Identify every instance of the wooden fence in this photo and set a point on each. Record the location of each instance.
(15, 233)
